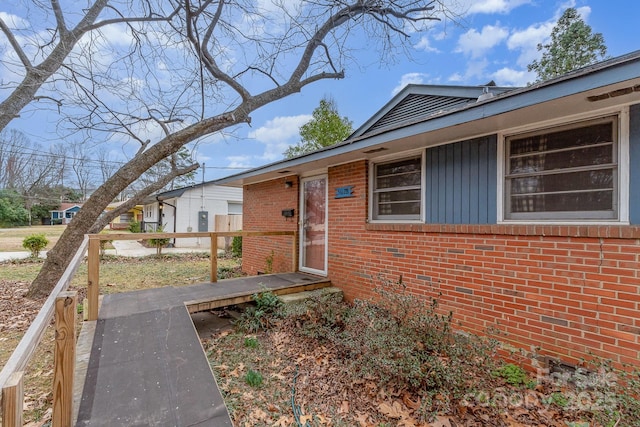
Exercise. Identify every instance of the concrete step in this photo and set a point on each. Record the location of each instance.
(299, 297)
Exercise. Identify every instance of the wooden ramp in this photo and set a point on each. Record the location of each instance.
(147, 367)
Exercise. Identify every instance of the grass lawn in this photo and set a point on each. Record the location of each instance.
(11, 238)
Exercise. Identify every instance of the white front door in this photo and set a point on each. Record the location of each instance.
(313, 225)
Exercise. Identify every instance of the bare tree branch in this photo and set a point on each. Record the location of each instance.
(176, 71)
(60, 24)
(15, 45)
(137, 198)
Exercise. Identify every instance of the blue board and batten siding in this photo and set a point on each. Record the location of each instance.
(634, 164)
(461, 185)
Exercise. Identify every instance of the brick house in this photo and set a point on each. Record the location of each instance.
(520, 207)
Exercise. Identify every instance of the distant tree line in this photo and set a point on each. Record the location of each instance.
(35, 180)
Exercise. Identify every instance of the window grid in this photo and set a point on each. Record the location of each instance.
(568, 172)
(397, 192)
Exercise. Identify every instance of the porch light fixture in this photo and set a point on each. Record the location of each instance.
(288, 184)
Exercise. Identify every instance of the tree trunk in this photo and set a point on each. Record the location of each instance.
(60, 256)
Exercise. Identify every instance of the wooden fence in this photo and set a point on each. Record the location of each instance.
(12, 374)
(63, 303)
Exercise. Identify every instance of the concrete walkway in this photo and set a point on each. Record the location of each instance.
(8, 256)
(128, 248)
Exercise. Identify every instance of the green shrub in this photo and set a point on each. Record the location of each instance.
(403, 342)
(135, 227)
(251, 342)
(260, 316)
(512, 374)
(253, 378)
(35, 243)
(160, 242)
(236, 246)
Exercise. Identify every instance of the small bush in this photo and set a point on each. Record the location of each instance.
(403, 342)
(35, 243)
(160, 242)
(260, 316)
(253, 378)
(135, 227)
(512, 374)
(236, 246)
(251, 342)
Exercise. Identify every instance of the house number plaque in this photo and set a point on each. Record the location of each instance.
(344, 192)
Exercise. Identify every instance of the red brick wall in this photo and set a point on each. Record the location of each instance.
(564, 291)
(262, 211)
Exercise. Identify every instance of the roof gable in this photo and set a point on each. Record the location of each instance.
(421, 101)
(610, 83)
(66, 207)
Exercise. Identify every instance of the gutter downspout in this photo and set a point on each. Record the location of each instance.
(175, 217)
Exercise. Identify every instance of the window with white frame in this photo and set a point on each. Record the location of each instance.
(563, 173)
(397, 189)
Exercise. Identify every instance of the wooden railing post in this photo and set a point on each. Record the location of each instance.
(64, 358)
(214, 257)
(13, 400)
(93, 278)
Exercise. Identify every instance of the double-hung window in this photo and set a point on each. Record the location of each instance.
(563, 173)
(397, 189)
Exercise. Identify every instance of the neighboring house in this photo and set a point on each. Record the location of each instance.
(65, 213)
(519, 209)
(122, 221)
(194, 208)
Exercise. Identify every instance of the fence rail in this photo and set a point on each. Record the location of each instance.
(63, 304)
(11, 375)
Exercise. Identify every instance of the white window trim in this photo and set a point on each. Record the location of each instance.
(423, 177)
(622, 114)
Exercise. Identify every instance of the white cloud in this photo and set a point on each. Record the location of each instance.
(584, 12)
(526, 41)
(510, 77)
(13, 21)
(277, 134)
(425, 45)
(455, 78)
(475, 44)
(475, 70)
(409, 78)
(495, 6)
(239, 162)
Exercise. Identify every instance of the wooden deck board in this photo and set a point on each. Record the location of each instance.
(147, 366)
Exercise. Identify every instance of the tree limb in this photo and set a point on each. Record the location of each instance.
(57, 12)
(133, 201)
(15, 45)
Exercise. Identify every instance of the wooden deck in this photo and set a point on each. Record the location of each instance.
(146, 366)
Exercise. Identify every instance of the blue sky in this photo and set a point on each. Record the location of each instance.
(494, 40)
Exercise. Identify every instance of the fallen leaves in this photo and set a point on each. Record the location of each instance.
(16, 311)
